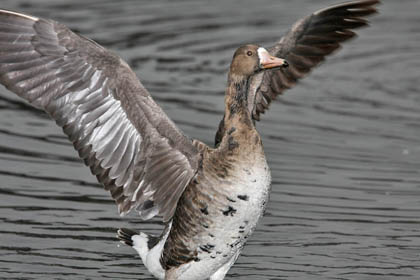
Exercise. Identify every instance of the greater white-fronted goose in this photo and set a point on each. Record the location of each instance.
(210, 198)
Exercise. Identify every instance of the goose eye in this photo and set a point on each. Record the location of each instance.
(249, 53)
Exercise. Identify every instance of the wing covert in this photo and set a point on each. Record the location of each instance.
(126, 139)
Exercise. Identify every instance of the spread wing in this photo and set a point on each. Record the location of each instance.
(129, 143)
(307, 44)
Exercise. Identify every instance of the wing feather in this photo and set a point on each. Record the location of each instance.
(306, 45)
(136, 152)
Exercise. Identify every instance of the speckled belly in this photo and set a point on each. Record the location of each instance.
(231, 216)
(235, 218)
(217, 213)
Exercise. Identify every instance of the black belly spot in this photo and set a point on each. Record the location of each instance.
(236, 243)
(204, 210)
(243, 197)
(207, 248)
(230, 211)
(230, 199)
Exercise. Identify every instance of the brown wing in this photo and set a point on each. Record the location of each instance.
(125, 138)
(307, 44)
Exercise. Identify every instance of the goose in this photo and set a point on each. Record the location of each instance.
(210, 198)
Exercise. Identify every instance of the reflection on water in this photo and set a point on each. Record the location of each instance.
(343, 146)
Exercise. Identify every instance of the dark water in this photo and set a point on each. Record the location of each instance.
(343, 146)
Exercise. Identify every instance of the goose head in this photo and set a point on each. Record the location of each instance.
(251, 59)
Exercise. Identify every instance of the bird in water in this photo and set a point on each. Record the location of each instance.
(210, 198)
